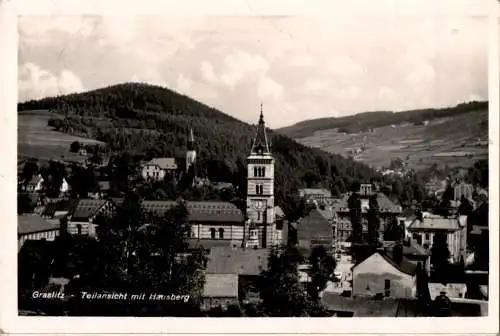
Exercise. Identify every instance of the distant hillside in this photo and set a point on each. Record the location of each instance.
(363, 122)
(447, 138)
(153, 121)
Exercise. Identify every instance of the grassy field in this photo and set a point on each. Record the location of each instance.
(453, 141)
(37, 140)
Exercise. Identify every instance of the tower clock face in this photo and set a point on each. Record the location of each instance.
(258, 205)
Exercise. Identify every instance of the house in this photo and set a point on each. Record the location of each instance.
(83, 213)
(314, 194)
(382, 275)
(34, 227)
(388, 211)
(34, 185)
(219, 290)
(247, 264)
(157, 168)
(57, 208)
(313, 230)
(425, 227)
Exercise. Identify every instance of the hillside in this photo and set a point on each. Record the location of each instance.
(36, 139)
(454, 137)
(153, 121)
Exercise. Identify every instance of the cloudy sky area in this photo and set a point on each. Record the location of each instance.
(300, 67)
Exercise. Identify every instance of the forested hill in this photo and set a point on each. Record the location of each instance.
(363, 122)
(154, 121)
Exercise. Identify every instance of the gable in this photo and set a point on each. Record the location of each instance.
(377, 263)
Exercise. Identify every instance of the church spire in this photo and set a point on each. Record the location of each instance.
(190, 142)
(260, 144)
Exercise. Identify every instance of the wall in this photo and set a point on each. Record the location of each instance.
(47, 235)
(87, 228)
(155, 173)
(369, 279)
(208, 303)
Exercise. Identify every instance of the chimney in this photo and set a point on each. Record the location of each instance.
(397, 253)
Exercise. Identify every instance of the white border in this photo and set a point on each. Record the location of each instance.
(11, 323)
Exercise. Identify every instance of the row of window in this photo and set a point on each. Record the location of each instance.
(214, 231)
(259, 171)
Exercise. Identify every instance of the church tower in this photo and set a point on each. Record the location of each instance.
(260, 188)
(191, 151)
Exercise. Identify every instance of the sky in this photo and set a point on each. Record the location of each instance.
(300, 66)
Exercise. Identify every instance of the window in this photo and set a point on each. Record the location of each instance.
(253, 234)
(255, 171)
(78, 229)
(212, 233)
(221, 233)
(259, 189)
(387, 288)
(427, 236)
(263, 171)
(258, 215)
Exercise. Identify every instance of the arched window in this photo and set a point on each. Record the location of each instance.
(79, 229)
(255, 171)
(263, 172)
(212, 233)
(221, 233)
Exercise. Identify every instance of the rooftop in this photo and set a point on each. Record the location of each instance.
(27, 224)
(227, 260)
(205, 211)
(221, 285)
(163, 163)
(84, 208)
(360, 307)
(435, 222)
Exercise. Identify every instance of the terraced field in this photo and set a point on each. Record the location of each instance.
(453, 141)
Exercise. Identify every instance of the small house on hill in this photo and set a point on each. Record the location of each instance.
(384, 275)
(157, 168)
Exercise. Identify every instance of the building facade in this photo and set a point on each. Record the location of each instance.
(157, 168)
(423, 230)
(34, 227)
(379, 274)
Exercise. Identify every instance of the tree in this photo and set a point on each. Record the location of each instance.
(283, 295)
(440, 254)
(465, 207)
(444, 206)
(354, 204)
(322, 267)
(74, 147)
(53, 176)
(394, 231)
(24, 204)
(373, 221)
(29, 170)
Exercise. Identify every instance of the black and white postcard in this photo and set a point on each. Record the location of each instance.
(185, 163)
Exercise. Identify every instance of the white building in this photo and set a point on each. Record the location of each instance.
(157, 168)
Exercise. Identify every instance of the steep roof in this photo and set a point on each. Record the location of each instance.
(163, 163)
(385, 205)
(205, 211)
(221, 285)
(314, 226)
(405, 266)
(33, 223)
(260, 145)
(434, 222)
(226, 260)
(86, 208)
(410, 249)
